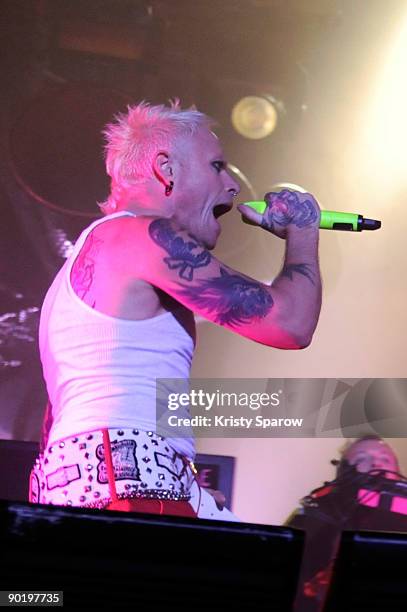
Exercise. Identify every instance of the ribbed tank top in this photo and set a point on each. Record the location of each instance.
(100, 370)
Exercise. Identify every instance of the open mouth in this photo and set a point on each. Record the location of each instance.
(221, 209)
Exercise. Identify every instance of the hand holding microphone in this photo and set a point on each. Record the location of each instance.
(284, 210)
(291, 204)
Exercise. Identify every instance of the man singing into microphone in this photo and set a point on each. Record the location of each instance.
(120, 313)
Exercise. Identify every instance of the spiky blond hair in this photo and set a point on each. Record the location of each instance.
(135, 137)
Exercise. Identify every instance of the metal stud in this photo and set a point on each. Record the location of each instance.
(82, 446)
(61, 444)
(89, 437)
(74, 440)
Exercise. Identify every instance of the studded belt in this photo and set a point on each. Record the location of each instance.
(95, 468)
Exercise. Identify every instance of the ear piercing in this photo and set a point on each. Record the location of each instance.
(168, 188)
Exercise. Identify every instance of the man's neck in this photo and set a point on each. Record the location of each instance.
(143, 203)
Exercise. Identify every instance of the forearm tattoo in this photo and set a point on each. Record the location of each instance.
(84, 268)
(289, 207)
(234, 299)
(184, 256)
(304, 269)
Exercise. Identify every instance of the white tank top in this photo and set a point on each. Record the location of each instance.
(100, 370)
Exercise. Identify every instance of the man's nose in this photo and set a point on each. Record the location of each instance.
(233, 186)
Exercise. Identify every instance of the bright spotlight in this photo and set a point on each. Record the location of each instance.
(385, 128)
(256, 117)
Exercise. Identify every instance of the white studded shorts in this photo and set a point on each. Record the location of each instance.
(95, 468)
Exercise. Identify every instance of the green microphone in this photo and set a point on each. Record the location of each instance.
(330, 219)
(349, 222)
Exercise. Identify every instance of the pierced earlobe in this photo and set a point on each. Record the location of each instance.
(168, 188)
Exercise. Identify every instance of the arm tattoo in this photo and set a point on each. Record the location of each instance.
(234, 299)
(84, 267)
(304, 269)
(180, 252)
(289, 207)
